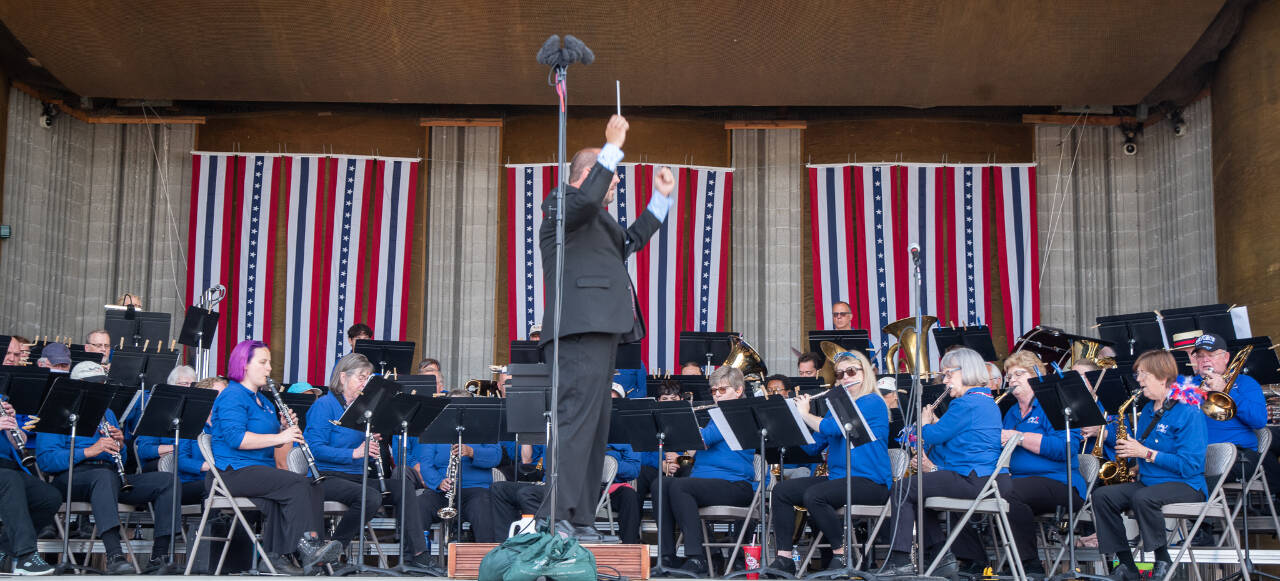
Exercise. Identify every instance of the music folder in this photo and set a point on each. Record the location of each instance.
(1057, 394)
(741, 421)
(850, 419)
(387, 356)
(642, 420)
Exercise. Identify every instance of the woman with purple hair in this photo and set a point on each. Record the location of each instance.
(246, 430)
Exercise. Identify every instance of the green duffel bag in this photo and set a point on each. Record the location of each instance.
(530, 556)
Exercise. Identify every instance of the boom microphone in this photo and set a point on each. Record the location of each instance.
(549, 54)
(579, 53)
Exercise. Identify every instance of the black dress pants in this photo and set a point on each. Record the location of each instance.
(821, 497)
(1030, 496)
(1109, 502)
(291, 504)
(345, 488)
(681, 498)
(474, 507)
(938, 483)
(99, 485)
(27, 504)
(586, 373)
(626, 502)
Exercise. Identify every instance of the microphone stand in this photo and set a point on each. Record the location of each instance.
(918, 405)
(561, 73)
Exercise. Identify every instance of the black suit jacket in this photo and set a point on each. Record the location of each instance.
(598, 296)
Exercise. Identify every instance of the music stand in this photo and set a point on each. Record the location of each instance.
(705, 346)
(772, 422)
(299, 403)
(629, 356)
(135, 327)
(1066, 401)
(465, 420)
(198, 328)
(528, 399)
(417, 384)
(851, 340)
(25, 388)
(856, 432)
(650, 426)
(79, 355)
(1262, 363)
(1132, 333)
(1208, 318)
(696, 385)
(71, 402)
(408, 413)
(359, 416)
(526, 352)
(386, 355)
(177, 412)
(976, 337)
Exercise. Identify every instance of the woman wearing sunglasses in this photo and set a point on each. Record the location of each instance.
(870, 476)
(964, 447)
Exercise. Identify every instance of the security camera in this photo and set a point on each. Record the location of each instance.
(47, 113)
(1130, 133)
(1179, 124)
(1129, 148)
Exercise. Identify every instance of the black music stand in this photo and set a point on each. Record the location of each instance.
(79, 355)
(299, 403)
(198, 328)
(1066, 400)
(772, 422)
(851, 340)
(417, 384)
(529, 403)
(25, 387)
(705, 346)
(465, 420)
(409, 413)
(135, 327)
(526, 352)
(387, 355)
(696, 385)
(71, 402)
(1132, 333)
(976, 337)
(629, 356)
(1262, 363)
(650, 426)
(181, 413)
(1206, 318)
(856, 432)
(359, 417)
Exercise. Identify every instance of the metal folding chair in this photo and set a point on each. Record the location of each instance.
(605, 504)
(221, 499)
(1256, 483)
(898, 461)
(1218, 459)
(989, 502)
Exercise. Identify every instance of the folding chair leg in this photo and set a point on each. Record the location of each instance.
(813, 548)
(1011, 547)
(195, 547)
(871, 536)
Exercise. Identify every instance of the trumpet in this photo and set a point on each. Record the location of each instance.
(105, 428)
(287, 418)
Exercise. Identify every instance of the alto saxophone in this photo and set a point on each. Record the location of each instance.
(450, 510)
(1118, 471)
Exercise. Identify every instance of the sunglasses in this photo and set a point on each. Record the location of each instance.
(721, 390)
(850, 372)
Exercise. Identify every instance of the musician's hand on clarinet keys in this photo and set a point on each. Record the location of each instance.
(445, 485)
(291, 435)
(8, 409)
(8, 423)
(465, 450)
(116, 435)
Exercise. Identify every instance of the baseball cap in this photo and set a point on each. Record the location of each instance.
(1210, 342)
(56, 353)
(1185, 340)
(618, 389)
(89, 371)
(887, 384)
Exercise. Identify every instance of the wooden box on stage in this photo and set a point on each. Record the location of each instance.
(629, 560)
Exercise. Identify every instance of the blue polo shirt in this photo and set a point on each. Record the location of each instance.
(1180, 440)
(967, 438)
(1251, 414)
(332, 445)
(190, 460)
(870, 460)
(238, 410)
(719, 461)
(51, 449)
(477, 472)
(628, 461)
(1051, 462)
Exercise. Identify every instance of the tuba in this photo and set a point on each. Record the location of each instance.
(913, 350)
(1085, 349)
(1218, 405)
(746, 359)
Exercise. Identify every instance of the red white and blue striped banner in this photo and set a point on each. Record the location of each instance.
(712, 198)
(210, 242)
(865, 217)
(659, 271)
(249, 296)
(307, 270)
(387, 308)
(1018, 242)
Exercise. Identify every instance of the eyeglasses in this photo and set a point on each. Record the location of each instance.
(850, 372)
(841, 314)
(100, 345)
(361, 377)
(1137, 376)
(950, 370)
(1019, 374)
(721, 390)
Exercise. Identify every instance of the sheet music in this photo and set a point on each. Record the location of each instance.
(795, 415)
(722, 423)
(1240, 320)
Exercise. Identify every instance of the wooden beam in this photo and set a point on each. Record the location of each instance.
(110, 118)
(766, 125)
(458, 122)
(1099, 120)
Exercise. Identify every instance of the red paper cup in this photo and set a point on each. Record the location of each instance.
(751, 554)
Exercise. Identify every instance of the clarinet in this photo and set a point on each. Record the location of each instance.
(285, 417)
(382, 481)
(124, 482)
(18, 440)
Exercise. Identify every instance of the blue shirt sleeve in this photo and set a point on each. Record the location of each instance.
(233, 416)
(426, 456)
(659, 205)
(948, 425)
(1251, 405)
(628, 463)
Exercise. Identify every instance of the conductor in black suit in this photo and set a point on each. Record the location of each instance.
(599, 311)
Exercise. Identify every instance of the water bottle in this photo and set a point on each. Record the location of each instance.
(426, 536)
(795, 556)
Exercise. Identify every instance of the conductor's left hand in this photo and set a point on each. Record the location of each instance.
(664, 181)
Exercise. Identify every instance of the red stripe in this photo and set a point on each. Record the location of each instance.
(228, 219)
(819, 298)
(234, 328)
(984, 303)
(854, 247)
(997, 185)
(375, 251)
(726, 220)
(900, 254)
(678, 305)
(642, 267)
(514, 285)
(193, 228)
(359, 256)
(407, 237)
(267, 279)
(941, 256)
(320, 334)
(953, 225)
(1033, 232)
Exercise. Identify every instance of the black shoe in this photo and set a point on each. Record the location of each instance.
(1124, 572)
(31, 565)
(118, 564)
(669, 562)
(947, 566)
(837, 562)
(6, 564)
(1160, 569)
(317, 552)
(695, 566)
(900, 570)
(563, 528)
(785, 564)
(284, 565)
(971, 568)
(422, 560)
(155, 564)
(48, 532)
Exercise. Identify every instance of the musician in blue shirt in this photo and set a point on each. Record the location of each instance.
(721, 476)
(246, 435)
(27, 504)
(475, 473)
(1209, 360)
(870, 474)
(962, 449)
(339, 452)
(1169, 447)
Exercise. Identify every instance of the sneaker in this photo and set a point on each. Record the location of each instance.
(31, 565)
(118, 564)
(317, 552)
(6, 564)
(284, 565)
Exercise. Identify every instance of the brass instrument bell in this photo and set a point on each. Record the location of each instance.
(913, 350)
(746, 359)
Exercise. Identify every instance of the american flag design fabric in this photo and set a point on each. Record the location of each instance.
(712, 203)
(864, 218)
(346, 250)
(1018, 244)
(659, 271)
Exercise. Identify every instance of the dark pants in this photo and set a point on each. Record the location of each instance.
(27, 505)
(291, 504)
(940, 483)
(681, 498)
(586, 372)
(344, 487)
(1109, 502)
(1031, 496)
(474, 507)
(99, 485)
(821, 497)
(626, 502)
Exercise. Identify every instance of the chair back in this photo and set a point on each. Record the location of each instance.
(610, 470)
(1218, 459)
(1264, 441)
(167, 462)
(899, 459)
(498, 475)
(1007, 452)
(296, 461)
(1089, 468)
